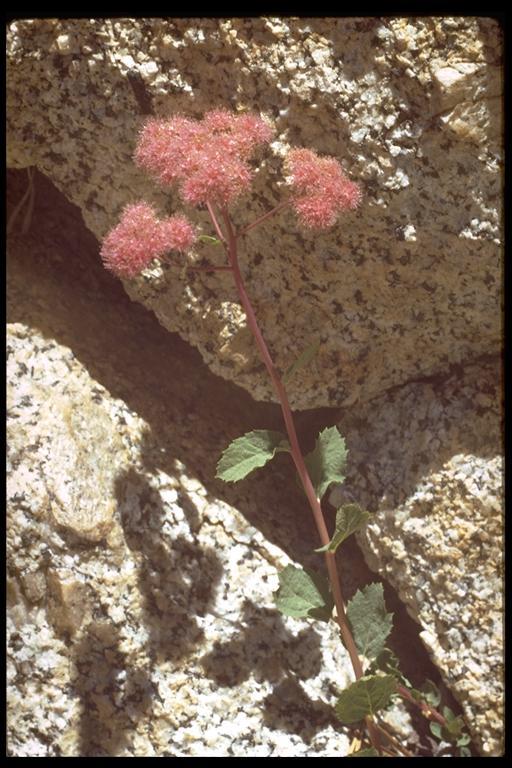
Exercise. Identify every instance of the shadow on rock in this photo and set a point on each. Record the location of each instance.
(264, 648)
(101, 684)
(177, 578)
(289, 709)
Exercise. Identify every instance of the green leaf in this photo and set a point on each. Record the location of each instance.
(302, 360)
(387, 662)
(465, 752)
(452, 731)
(454, 727)
(210, 239)
(365, 697)
(303, 593)
(431, 693)
(454, 723)
(370, 622)
(348, 519)
(249, 452)
(327, 461)
(370, 752)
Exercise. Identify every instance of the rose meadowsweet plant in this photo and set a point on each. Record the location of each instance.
(210, 160)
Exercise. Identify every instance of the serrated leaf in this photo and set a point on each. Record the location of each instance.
(370, 622)
(370, 752)
(249, 452)
(303, 593)
(463, 740)
(348, 519)
(365, 697)
(303, 359)
(327, 461)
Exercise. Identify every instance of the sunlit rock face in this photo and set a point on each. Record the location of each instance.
(403, 287)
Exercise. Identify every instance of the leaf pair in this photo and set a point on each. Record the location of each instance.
(371, 625)
(325, 463)
(453, 731)
(304, 594)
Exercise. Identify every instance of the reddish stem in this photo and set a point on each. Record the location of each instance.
(432, 713)
(215, 223)
(299, 463)
(262, 218)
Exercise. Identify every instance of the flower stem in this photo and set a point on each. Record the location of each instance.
(215, 223)
(265, 216)
(299, 462)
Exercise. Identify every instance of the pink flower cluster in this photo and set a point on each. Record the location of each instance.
(140, 237)
(208, 157)
(322, 189)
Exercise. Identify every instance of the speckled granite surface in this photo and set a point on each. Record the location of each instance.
(88, 618)
(402, 288)
(151, 630)
(145, 628)
(427, 458)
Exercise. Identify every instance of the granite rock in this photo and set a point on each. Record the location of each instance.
(74, 451)
(161, 637)
(68, 600)
(426, 459)
(403, 287)
(109, 632)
